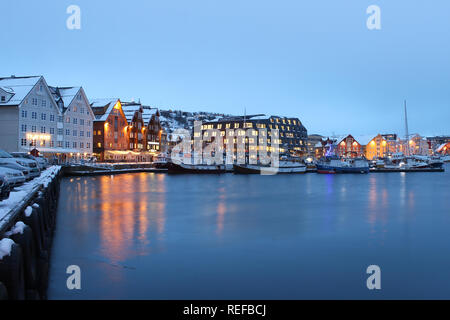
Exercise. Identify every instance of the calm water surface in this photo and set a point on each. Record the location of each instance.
(158, 236)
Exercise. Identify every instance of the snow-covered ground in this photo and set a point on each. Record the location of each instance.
(23, 193)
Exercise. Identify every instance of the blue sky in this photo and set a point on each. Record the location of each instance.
(315, 60)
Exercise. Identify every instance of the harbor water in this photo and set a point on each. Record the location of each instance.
(310, 236)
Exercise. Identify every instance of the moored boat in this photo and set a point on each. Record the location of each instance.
(161, 162)
(195, 168)
(334, 164)
(284, 167)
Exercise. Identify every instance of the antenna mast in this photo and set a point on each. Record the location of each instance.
(407, 132)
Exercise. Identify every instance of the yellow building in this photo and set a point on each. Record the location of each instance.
(377, 147)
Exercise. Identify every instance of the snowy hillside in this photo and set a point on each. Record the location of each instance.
(177, 119)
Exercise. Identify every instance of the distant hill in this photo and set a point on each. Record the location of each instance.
(178, 119)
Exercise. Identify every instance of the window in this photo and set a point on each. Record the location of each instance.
(74, 133)
(52, 144)
(3, 98)
(60, 131)
(42, 129)
(34, 102)
(23, 142)
(68, 120)
(81, 145)
(81, 110)
(88, 145)
(88, 134)
(24, 114)
(52, 130)
(67, 144)
(67, 132)
(82, 122)
(60, 144)
(34, 115)
(75, 120)
(74, 144)
(99, 145)
(44, 103)
(75, 109)
(60, 118)
(24, 128)
(52, 117)
(33, 128)
(81, 133)
(43, 116)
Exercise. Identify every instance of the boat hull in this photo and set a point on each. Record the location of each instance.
(254, 169)
(333, 169)
(198, 169)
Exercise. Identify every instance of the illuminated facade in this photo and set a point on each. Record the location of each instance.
(29, 116)
(349, 147)
(110, 130)
(376, 148)
(292, 134)
(77, 120)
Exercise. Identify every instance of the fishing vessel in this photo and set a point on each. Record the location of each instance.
(284, 167)
(333, 164)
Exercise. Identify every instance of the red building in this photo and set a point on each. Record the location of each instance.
(348, 147)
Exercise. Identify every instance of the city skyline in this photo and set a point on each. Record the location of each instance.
(316, 62)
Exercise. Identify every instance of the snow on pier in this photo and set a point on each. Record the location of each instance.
(20, 196)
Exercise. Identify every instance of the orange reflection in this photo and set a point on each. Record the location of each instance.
(128, 206)
(221, 210)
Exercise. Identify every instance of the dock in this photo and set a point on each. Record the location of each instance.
(377, 170)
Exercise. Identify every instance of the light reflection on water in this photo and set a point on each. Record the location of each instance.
(159, 236)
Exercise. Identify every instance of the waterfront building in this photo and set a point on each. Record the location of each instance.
(418, 145)
(376, 147)
(438, 143)
(347, 146)
(154, 132)
(322, 146)
(444, 149)
(144, 130)
(77, 119)
(135, 129)
(312, 142)
(29, 117)
(110, 137)
(292, 134)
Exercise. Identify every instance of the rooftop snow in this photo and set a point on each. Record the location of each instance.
(107, 104)
(19, 86)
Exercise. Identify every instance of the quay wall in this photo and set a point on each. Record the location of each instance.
(26, 233)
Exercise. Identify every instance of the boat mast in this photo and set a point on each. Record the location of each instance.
(407, 133)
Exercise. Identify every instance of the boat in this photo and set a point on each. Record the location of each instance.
(284, 167)
(161, 161)
(333, 164)
(195, 168)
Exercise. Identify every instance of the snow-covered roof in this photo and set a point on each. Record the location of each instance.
(102, 107)
(365, 139)
(19, 87)
(129, 110)
(64, 94)
(147, 114)
(442, 146)
(68, 94)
